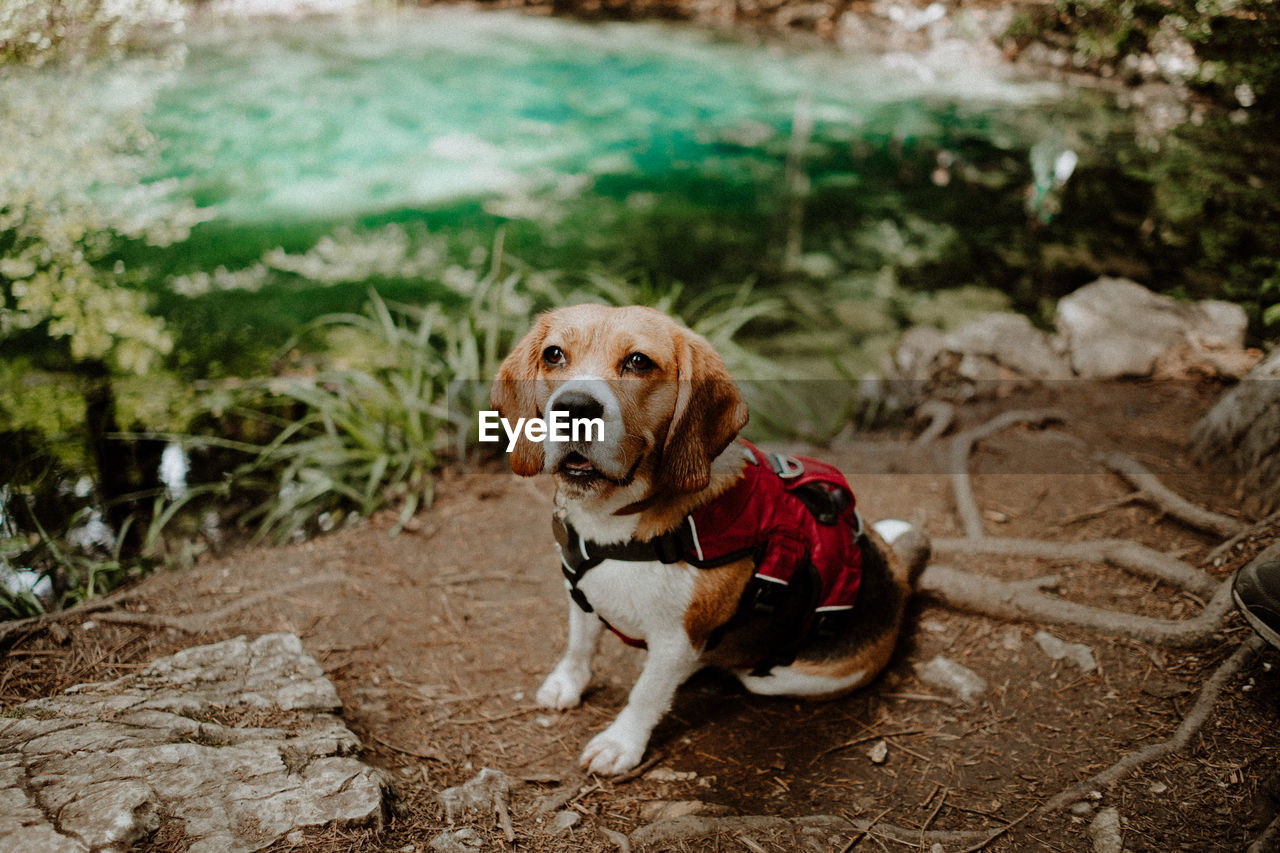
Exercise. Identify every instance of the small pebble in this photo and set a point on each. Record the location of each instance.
(562, 821)
(1105, 832)
(946, 674)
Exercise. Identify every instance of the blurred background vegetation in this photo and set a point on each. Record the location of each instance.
(172, 379)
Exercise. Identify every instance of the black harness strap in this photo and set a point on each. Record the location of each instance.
(579, 556)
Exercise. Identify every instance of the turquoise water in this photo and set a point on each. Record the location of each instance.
(649, 150)
(329, 120)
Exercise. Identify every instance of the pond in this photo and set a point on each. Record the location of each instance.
(366, 150)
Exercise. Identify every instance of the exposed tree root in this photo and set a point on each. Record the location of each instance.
(962, 446)
(677, 829)
(940, 414)
(1268, 841)
(1121, 553)
(1264, 525)
(1180, 738)
(1137, 475)
(1023, 600)
(35, 623)
(198, 623)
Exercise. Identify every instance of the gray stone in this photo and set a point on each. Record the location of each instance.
(1078, 654)
(945, 674)
(1105, 832)
(917, 350)
(563, 821)
(481, 794)
(235, 743)
(670, 809)
(1010, 341)
(1115, 327)
(465, 840)
(690, 826)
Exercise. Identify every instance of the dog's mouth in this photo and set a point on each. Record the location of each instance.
(575, 466)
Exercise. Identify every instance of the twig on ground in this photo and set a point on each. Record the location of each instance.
(639, 770)
(34, 623)
(199, 623)
(1101, 509)
(924, 827)
(998, 832)
(858, 740)
(1225, 548)
(862, 833)
(1181, 737)
(474, 721)
(431, 755)
(504, 816)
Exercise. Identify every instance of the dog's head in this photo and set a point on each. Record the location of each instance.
(665, 400)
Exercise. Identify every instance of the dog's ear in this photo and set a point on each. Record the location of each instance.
(709, 413)
(514, 395)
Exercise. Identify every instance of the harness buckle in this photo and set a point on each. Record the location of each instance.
(786, 467)
(769, 595)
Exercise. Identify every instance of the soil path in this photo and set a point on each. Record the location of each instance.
(438, 638)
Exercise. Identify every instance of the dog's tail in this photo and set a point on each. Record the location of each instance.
(911, 545)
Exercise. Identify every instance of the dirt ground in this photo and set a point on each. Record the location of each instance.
(438, 638)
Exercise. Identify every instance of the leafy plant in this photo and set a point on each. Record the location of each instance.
(396, 393)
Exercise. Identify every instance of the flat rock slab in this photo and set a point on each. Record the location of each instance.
(225, 747)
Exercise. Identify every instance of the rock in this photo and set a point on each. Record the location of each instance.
(563, 821)
(691, 826)
(1115, 327)
(670, 809)
(1009, 341)
(234, 745)
(879, 752)
(1105, 832)
(1078, 654)
(666, 774)
(916, 352)
(465, 840)
(946, 674)
(1241, 434)
(482, 794)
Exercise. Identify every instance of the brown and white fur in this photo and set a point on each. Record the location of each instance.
(671, 413)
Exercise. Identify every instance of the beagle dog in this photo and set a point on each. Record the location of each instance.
(681, 538)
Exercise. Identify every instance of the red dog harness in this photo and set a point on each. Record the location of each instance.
(794, 516)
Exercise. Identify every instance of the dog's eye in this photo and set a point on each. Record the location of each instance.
(638, 362)
(553, 356)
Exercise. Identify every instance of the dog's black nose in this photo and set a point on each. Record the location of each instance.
(578, 405)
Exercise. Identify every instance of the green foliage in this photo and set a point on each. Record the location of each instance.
(69, 191)
(1227, 48)
(36, 32)
(397, 391)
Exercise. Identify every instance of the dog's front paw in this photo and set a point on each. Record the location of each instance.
(563, 688)
(613, 751)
